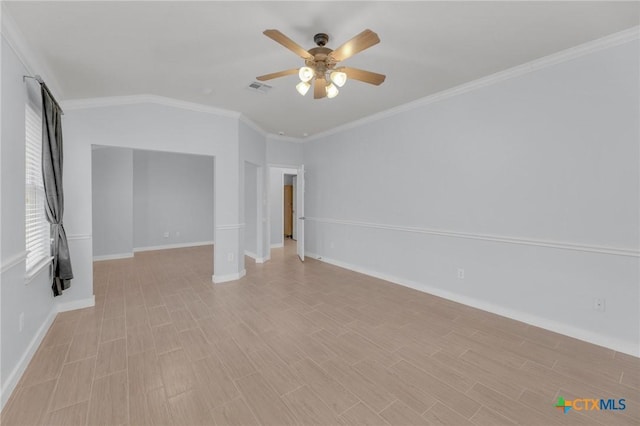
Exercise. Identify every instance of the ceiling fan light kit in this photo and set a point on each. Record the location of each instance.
(332, 91)
(306, 74)
(303, 87)
(338, 78)
(320, 63)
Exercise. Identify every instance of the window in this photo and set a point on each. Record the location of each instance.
(37, 228)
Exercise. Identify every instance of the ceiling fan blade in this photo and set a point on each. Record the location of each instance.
(277, 74)
(365, 76)
(362, 41)
(319, 88)
(278, 37)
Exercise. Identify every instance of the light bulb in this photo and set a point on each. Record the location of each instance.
(332, 91)
(303, 87)
(339, 78)
(305, 74)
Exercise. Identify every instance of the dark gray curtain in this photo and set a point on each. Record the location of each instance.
(52, 176)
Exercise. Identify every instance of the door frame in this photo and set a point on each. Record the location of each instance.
(289, 169)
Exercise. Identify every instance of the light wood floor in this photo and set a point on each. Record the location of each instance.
(301, 344)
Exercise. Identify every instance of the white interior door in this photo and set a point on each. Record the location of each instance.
(300, 212)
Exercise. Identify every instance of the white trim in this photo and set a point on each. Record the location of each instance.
(283, 138)
(37, 269)
(74, 237)
(217, 279)
(77, 304)
(13, 261)
(254, 256)
(624, 346)
(284, 166)
(277, 245)
(232, 226)
(26, 56)
(73, 104)
(618, 251)
(517, 71)
(172, 246)
(113, 256)
(14, 376)
(246, 120)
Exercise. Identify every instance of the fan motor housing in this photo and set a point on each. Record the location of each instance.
(321, 39)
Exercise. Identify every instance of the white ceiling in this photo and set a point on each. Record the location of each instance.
(179, 49)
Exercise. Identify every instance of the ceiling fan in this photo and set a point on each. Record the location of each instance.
(321, 63)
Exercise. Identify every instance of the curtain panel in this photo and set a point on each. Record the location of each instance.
(52, 177)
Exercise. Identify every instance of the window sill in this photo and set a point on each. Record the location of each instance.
(37, 269)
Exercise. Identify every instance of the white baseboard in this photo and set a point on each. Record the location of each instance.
(77, 304)
(623, 346)
(9, 385)
(172, 246)
(277, 245)
(12, 380)
(254, 256)
(217, 279)
(113, 256)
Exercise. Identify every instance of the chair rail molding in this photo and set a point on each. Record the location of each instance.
(13, 261)
(618, 251)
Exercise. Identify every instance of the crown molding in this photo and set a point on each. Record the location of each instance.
(571, 53)
(33, 65)
(282, 138)
(73, 104)
(246, 120)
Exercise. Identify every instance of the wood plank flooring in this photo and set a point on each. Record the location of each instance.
(303, 344)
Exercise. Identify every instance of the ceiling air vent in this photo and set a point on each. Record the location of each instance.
(259, 87)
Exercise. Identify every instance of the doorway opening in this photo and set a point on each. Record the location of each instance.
(289, 206)
(286, 211)
(145, 200)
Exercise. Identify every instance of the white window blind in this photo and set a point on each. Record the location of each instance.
(36, 225)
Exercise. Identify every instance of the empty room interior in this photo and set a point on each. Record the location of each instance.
(320, 213)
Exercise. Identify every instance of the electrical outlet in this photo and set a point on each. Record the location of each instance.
(599, 304)
(166, 234)
(21, 322)
(461, 273)
(230, 257)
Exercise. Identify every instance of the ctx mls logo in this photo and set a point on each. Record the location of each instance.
(590, 404)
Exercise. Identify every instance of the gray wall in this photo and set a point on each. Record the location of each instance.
(275, 207)
(284, 153)
(112, 202)
(32, 299)
(252, 153)
(172, 193)
(139, 195)
(251, 208)
(531, 185)
(280, 153)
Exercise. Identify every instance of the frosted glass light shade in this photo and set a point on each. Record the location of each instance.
(332, 91)
(338, 78)
(303, 87)
(305, 74)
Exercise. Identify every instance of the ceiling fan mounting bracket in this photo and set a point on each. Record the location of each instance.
(321, 39)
